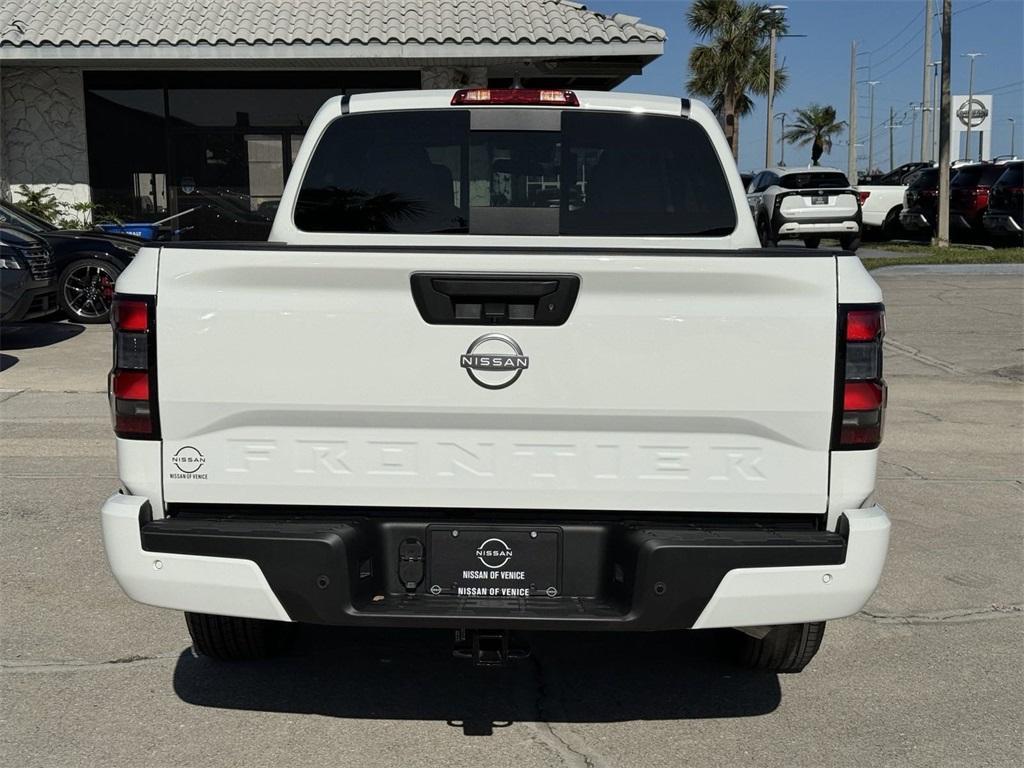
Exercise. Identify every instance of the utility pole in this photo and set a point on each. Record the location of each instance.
(782, 138)
(1013, 136)
(970, 107)
(926, 154)
(871, 129)
(851, 156)
(914, 107)
(892, 127)
(942, 240)
(772, 11)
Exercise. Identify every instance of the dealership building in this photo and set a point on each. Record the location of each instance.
(151, 108)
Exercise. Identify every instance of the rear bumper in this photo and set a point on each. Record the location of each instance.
(915, 220)
(615, 576)
(36, 300)
(785, 225)
(1002, 223)
(965, 220)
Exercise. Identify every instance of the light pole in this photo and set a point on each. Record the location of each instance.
(892, 126)
(970, 106)
(782, 138)
(871, 129)
(914, 107)
(773, 12)
(1013, 136)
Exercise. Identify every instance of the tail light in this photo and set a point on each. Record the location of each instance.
(863, 196)
(522, 96)
(859, 412)
(132, 382)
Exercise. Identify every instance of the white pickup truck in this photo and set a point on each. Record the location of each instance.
(511, 360)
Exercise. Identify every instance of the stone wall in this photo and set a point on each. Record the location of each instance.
(42, 132)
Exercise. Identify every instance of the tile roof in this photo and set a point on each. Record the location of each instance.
(87, 23)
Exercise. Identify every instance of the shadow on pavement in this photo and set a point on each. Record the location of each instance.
(7, 361)
(34, 335)
(411, 675)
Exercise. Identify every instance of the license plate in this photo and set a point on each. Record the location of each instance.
(500, 563)
(819, 200)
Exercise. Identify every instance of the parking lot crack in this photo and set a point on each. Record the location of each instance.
(80, 665)
(913, 472)
(546, 733)
(993, 611)
(921, 357)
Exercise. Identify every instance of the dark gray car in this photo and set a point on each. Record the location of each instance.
(27, 287)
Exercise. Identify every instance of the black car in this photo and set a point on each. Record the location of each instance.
(27, 287)
(897, 176)
(969, 194)
(1004, 219)
(87, 263)
(920, 202)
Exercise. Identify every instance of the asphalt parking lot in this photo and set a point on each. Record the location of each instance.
(928, 674)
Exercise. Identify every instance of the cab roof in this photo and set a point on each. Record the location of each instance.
(440, 99)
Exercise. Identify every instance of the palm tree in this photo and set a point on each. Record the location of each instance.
(815, 125)
(733, 63)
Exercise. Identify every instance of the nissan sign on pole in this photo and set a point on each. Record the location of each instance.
(978, 112)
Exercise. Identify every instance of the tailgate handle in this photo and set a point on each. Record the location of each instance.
(494, 299)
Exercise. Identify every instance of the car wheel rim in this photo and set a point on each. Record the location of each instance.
(89, 290)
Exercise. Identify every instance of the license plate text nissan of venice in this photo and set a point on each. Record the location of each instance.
(511, 360)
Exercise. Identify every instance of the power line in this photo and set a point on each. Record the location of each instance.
(902, 63)
(971, 7)
(1007, 87)
(888, 42)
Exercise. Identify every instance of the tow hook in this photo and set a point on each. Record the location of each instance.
(489, 647)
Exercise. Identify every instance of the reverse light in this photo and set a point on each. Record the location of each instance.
(861, 393)
(519, 96)
(132, 381)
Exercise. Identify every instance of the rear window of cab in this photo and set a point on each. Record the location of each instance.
(598, 173)
(977, 175)
(814, 180)
(1013, 176)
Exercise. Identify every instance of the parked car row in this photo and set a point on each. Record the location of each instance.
(45, 269)
(986, 201)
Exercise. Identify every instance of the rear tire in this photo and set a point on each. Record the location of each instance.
(764, 232)
(85, 290)
(891, 227)
(849, 242)
(228, 638)
(812, 242)
(786, 648)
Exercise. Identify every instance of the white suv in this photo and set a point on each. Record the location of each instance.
(805, 203)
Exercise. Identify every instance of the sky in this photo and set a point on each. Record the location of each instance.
(890, 37)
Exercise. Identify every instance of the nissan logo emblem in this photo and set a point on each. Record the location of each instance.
(494, 361)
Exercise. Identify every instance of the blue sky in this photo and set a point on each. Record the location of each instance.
(819, 64)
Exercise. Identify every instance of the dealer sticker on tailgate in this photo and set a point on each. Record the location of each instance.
(494, 562)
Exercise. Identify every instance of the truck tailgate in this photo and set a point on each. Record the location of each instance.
(679, 382)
